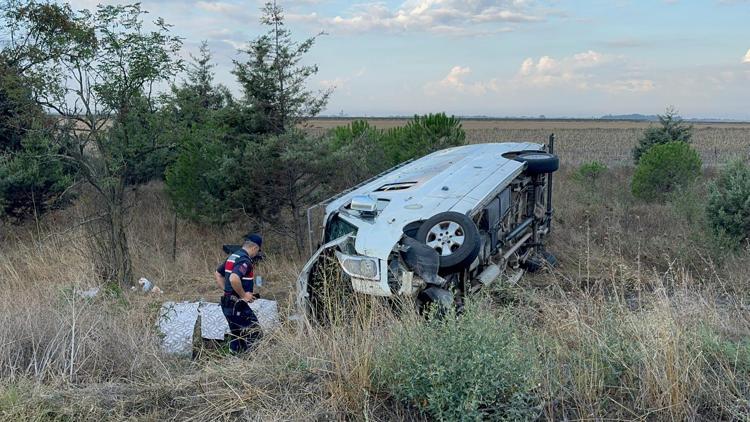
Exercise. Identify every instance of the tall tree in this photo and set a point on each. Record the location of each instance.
(274, 80)
(250, 161)
(198, 94)
(196, 113)
(98, 83)
(200, 80)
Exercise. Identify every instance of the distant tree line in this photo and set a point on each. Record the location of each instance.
(79, 113)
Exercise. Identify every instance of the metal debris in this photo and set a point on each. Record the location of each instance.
(177, 322)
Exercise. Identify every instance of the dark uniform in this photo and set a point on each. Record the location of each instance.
(243, 324)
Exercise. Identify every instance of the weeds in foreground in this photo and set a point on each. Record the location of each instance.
(640, 332)
(476, 366)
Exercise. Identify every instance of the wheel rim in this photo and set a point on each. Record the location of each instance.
(535, 156)
(446, 237)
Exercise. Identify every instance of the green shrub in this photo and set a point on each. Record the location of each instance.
(30, 180)
(348, 134)
(474, 367)
(357, 158)
(589, 173)
(720, 351)
(358, 151)
(663, 169)
(688, 204)
(422, 135)
(363, 150)
(198, 179)
(143, 138)
(728, 207)
(672, 129)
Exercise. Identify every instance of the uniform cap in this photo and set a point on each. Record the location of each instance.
(255, 238)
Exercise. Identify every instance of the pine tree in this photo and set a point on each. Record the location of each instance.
(273, 78)
(672, 129)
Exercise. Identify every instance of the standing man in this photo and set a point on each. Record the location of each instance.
(236, 277)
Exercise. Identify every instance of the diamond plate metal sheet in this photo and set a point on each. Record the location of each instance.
(176, 323)
(267, 312)
(213, 323)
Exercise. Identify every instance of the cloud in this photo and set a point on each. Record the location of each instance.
(455, 77)
(746, 59)
(218, 7)
(584, 71)
(455, 82)
(496, 14)
(311, 17)
(439, 16)
(589, 59)
(237, 45)
(627, 85)
(547, 71)
(589, 70)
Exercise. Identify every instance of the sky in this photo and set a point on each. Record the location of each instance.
(498, 58)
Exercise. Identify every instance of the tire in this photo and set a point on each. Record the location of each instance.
(455, 238)
(539, 162)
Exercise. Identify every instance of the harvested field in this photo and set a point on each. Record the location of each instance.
(581, 141)
(523, 124)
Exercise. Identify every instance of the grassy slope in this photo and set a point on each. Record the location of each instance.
(645, 317)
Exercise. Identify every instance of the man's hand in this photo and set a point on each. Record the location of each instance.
(248, 297)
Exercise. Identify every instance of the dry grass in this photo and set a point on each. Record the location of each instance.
(643, 358)
(644, 320)
(63, 356)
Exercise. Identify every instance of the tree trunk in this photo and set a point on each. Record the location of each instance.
(174, 236)
(292, 200)
(108, 237)
(121, 268)
(299, 230)
(124, 273)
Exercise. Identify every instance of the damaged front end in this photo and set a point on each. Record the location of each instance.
(410, 268)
